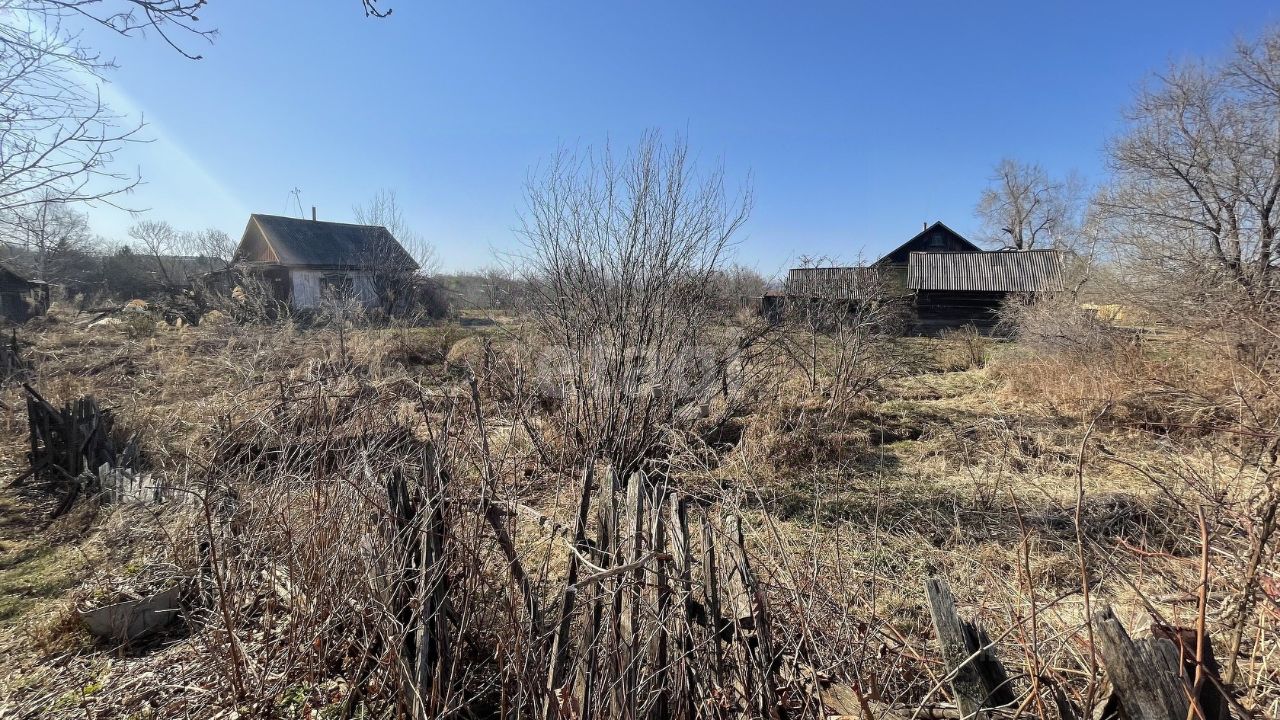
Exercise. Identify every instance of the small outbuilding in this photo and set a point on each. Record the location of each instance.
(21, 298)
(302, 261)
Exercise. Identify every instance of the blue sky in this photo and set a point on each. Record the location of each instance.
(856, 120)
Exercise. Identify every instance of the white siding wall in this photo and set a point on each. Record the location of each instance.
(306, 288)
(363, 287)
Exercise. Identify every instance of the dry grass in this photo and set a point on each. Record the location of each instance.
(944, 469)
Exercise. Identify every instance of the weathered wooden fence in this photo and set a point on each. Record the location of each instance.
(71, 446)
(674, 623)
(13, 367)
(660, 615)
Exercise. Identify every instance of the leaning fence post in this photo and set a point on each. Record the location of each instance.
(978, 680)
(1144, 673)
(559, 654)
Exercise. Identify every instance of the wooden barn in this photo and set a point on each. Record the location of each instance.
(301, 261)
(954, 289)
(947, 281)
(20, 298)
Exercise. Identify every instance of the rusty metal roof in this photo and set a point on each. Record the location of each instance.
(1000, 271)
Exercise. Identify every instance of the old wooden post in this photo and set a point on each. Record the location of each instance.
(434, 654)
(750, 617)
(1145, 673)
(978, 680)
(600, 626)
(682, 677)
(711, 596)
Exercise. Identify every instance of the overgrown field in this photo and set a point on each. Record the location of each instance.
(1039, 486)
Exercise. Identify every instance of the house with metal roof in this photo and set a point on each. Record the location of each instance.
(946, 280)
(954, 289)
(302, 261)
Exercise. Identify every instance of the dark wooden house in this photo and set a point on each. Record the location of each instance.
(890, 270)
(301, 261)
(954, 289)
(20, 297)
(945, 280)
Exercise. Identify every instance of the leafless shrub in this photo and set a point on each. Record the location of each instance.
(972, 343)
(384, 210)
(1059, 324)
(620, 254)
(838, 325)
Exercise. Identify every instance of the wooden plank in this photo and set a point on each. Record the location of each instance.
(600, 626)
(684, 663)
(628, 651)
(749, 614)
(559, 652)
(711, 597)
(658, 601)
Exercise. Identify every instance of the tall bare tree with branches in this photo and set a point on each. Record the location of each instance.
(1197, 189)
(1025, 208)
(159, 239)
(384, 209)
(57, 136)
(47, 237)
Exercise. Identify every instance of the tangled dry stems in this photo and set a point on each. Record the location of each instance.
(284, 441)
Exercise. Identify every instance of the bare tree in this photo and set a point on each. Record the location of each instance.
(57, 136)
(384, 209)
(619, 258)
(1025, 208)
(1197, 175)
(50, 236)
(1194, 210)
(159, 240)
(209, 244)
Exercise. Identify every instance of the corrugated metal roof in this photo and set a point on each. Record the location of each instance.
(316, 243)
(1000, 271)
(852, 283)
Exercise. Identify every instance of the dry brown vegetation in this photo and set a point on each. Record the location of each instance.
(1042, 482)
(621, 501)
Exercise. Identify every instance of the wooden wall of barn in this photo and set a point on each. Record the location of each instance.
(938, 310)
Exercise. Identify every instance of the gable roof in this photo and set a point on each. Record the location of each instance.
(956, 242)
(316, 243)
(11, 279)
(998, 271)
